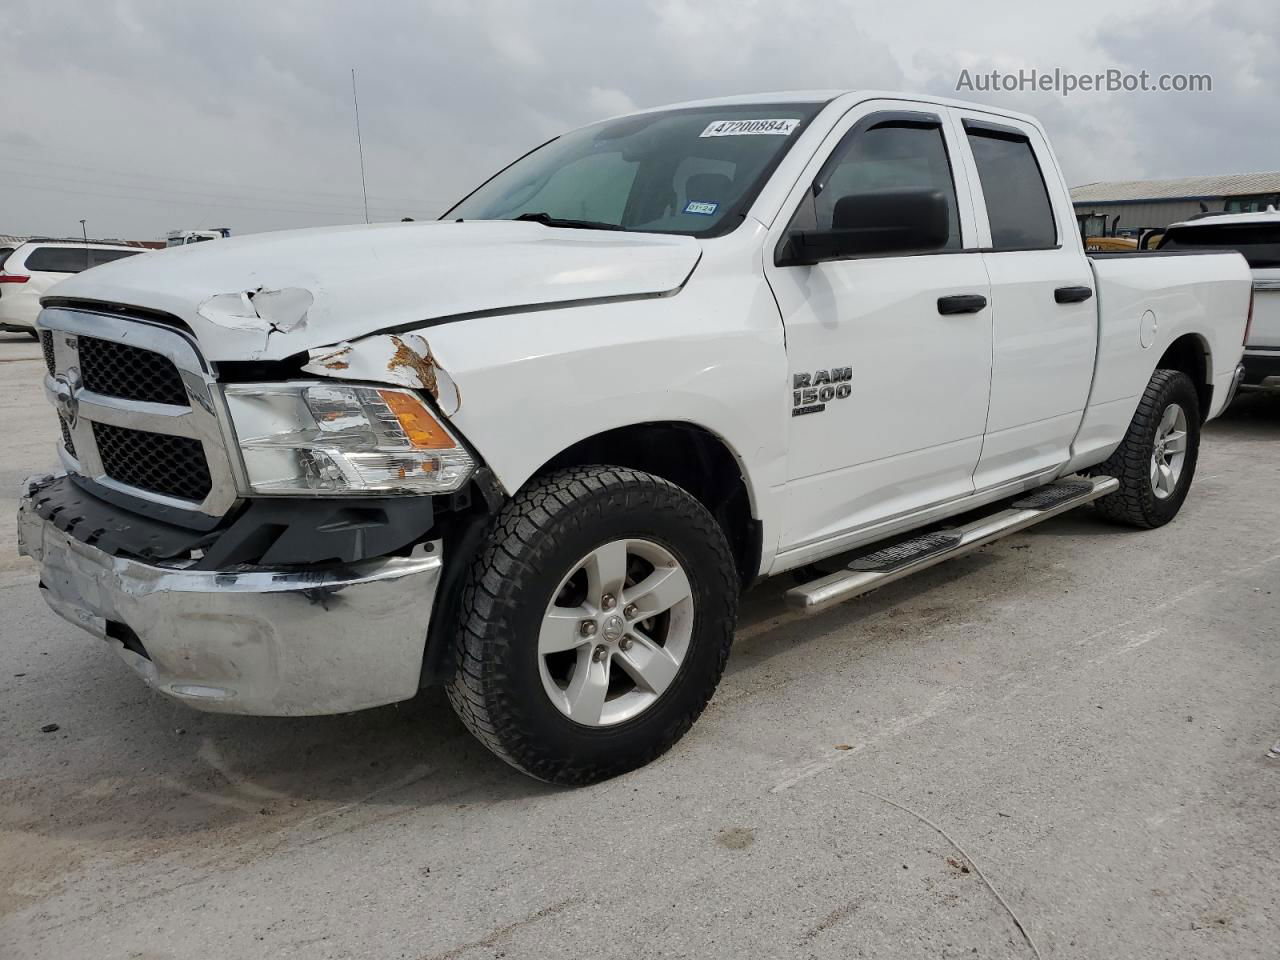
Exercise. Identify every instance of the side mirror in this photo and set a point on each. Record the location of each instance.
(880, 222)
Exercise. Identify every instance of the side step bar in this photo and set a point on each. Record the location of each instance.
(888, 564)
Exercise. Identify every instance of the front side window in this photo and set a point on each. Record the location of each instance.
(878, 166)
(1018, 207)
(693, 171)
(1259, 242)
(886, 190)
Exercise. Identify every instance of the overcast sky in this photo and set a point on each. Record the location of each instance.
(148, 116)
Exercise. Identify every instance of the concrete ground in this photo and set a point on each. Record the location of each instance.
(1081, 713)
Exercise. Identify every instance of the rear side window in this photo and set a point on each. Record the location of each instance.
(1018, 205)
(107, 256)
(1259, 242)
(71, 259)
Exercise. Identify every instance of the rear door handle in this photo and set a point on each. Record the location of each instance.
(961, 303)
(1072, 294)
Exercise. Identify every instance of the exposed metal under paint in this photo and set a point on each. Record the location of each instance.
(404, 359)
(416, 359)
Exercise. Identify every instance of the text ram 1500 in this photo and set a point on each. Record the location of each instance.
(534, 451)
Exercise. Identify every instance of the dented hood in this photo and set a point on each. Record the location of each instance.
(267, 296)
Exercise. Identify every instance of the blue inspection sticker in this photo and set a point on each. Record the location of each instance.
(703, 207)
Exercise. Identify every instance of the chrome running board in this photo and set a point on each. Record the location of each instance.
(885, 565)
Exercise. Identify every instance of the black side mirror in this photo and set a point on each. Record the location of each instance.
(880, 222)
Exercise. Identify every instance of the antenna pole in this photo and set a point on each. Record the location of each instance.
(359, 145)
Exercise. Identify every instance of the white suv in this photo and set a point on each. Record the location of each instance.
(29, 271)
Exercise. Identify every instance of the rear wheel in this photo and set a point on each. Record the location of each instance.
(595, 624)
(1157, 458)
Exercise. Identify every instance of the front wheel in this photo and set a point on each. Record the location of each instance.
(1157, 458)
(595, 624)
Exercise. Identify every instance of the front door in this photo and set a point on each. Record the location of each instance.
(889, 344)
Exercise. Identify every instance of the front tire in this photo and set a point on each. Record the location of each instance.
(595, 624)
(1157, 458)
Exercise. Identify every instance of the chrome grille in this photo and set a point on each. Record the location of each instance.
(172, 466)
(121, 370)
(46, 345)
(138, 409)
(68, 444)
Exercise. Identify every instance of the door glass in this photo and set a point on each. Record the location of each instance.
(1017, 202)
(890, 158)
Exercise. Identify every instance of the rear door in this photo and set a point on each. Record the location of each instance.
(889, 350)
(1044, 313)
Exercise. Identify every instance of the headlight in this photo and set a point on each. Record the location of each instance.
(339, 439)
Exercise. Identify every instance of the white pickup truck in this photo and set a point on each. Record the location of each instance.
(535, 451)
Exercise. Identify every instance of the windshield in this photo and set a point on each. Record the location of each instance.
(1259, 242)
(693, 171)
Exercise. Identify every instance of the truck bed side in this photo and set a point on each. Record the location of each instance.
(1148, 304)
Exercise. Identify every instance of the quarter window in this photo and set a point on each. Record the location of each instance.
(1018, 205)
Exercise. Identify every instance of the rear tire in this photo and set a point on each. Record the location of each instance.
(545, 616)
(1157, 459)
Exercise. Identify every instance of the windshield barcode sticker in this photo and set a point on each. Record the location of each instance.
(740, 128)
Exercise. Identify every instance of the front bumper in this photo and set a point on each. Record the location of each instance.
(288, 643)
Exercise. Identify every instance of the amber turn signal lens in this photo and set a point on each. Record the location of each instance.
(422, 429)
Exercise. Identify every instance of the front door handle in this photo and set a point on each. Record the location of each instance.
(961, 303)
(1072, 294)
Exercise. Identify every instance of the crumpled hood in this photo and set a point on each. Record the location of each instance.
(267, 296)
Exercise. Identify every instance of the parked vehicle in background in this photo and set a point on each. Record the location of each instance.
(534, 451)
(1110, 244)
(1257, 237)
(180, 238)
(28, 272)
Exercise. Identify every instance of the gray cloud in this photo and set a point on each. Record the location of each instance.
(145, 116)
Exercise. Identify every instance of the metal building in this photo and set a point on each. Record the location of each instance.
(1158, 203)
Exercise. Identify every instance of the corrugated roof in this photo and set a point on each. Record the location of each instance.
(1178, 188)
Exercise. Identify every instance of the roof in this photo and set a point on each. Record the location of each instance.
(1231, 219)
(849, 96)
(80, 242)
(1178, 188)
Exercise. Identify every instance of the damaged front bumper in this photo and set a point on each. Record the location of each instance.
(330, 639)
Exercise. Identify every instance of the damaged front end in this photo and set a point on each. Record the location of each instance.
(310, 584)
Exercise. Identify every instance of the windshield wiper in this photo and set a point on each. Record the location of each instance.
(547, 220)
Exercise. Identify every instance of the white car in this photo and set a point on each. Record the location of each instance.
(28, 272)
(1257, 237)
(534, 451)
